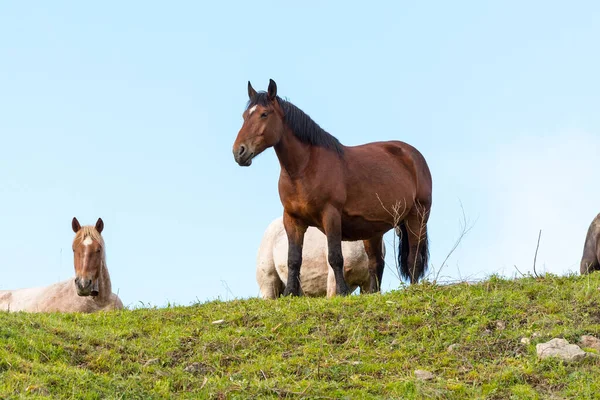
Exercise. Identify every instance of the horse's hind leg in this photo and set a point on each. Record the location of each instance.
(588, 266)
(590, 261)
(373, 248)
(269, 283)
(418, 252)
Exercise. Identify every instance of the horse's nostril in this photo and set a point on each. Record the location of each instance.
(242, 150)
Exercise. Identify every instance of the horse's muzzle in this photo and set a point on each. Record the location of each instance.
(86, 287)
(243, 156)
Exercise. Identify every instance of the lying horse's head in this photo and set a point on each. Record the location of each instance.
(88, 251)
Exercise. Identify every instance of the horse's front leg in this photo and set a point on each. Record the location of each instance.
(332, 224)
(295, 231)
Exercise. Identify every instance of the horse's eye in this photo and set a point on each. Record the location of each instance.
(264, 115)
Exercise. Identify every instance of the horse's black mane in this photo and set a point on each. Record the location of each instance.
(305, 129)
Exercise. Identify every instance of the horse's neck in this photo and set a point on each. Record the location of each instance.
(293, 155)
(104, 286)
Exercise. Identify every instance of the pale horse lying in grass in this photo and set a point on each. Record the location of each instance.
(90, 291)
(316, 275)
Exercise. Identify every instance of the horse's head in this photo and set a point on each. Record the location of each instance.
(263, 125)
(88, 251)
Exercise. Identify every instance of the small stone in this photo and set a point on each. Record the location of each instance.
(560, 348)
(193, 367)
(453, 347)
(535, 334)
(500, 325)
(525, 340)
(198, 368)
(590, 341)
(423, 375)
(219, 321)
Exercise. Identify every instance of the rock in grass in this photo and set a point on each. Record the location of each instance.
(590, 341)
(423, 375)
(525, 340)
(560, 348)
(197, 368)
(453, 347)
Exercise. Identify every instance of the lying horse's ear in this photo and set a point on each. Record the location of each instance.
(251, 91)
(272, 91)
(75, 225)
(99, 225)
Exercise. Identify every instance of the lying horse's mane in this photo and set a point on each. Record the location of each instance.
(88, 231)
(303, 126)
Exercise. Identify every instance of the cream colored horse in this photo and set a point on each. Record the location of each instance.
(316, 275)
(90, 291)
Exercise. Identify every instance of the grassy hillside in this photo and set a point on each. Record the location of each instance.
(356, 347)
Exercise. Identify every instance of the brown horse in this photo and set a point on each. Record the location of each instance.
(90, 291)
(347, 192)
(590, 261)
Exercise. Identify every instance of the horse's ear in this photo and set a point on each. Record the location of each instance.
(99, 225)
(75, 225)
(272, 91)
(251, 91)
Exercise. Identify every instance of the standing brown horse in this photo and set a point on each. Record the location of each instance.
(590, 260)
(347, 192)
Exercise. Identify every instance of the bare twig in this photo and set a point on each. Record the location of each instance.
(522, 274)
(536, 251)
(226, 286)
(464, 229)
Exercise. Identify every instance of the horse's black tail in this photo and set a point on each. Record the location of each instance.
(403, 251)
(415, 272)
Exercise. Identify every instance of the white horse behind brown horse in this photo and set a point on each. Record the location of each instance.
(90, 291)
(316, 276)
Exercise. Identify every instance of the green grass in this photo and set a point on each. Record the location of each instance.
(356, 347)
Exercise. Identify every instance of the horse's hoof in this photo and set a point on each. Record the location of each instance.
(287, 293)
(344, 292)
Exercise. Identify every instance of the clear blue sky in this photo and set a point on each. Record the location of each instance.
(128, 111)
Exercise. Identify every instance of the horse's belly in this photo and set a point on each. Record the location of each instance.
(359, 228)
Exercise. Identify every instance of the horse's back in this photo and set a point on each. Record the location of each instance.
(58, 297)
(27, 299)
(393, 159)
